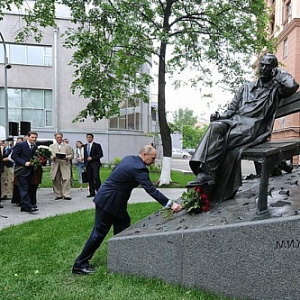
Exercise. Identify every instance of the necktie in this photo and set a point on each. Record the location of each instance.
(88, 149)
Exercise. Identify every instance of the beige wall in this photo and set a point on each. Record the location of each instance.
(289, 126)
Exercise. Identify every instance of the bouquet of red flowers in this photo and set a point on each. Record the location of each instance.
(42, 154)
(194, 201)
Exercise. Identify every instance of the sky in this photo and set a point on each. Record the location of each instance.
(193, 98)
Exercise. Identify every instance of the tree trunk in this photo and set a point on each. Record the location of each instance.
(165, 176)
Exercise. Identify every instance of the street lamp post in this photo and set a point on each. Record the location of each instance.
(6, 66)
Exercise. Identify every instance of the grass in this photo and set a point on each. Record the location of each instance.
(179, 179)
(36, 259)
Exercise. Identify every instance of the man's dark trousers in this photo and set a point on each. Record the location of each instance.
(24, 183)
(103, 223)
(93, 173)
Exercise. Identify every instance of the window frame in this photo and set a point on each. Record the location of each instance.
(45, 55)
(20, 108)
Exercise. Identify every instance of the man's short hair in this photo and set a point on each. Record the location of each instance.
(147, 149)
(32, 132)
(90, 135)
(56, 133)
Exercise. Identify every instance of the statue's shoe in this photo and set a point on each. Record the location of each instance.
(287, 167)
(201, 179)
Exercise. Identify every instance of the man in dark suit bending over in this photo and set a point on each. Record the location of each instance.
(92, 154)
(111, 202)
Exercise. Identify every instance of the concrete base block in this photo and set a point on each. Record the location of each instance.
(253, 260)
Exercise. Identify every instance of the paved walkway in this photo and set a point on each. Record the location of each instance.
(10, 214)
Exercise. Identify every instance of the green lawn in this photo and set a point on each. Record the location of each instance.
(178, 178)
(36, 260)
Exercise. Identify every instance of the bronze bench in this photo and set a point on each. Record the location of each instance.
(272, 153)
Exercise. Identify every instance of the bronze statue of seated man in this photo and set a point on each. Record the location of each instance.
(248, 121)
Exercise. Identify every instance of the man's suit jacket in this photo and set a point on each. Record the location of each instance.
(96, 153)
(114, 194)
(21, 154)
(61, 164)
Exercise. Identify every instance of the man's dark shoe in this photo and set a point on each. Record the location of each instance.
(58, 198)
(91, 195)
(201, 179)
(30, 210)
(82, 271)
(67, 198)
(1, 206)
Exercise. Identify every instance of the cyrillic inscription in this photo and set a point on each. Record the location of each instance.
(288, 244)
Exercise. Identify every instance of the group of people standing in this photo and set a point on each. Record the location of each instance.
(19, 157)
(87, 157)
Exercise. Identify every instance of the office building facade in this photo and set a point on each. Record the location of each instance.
(38, 91)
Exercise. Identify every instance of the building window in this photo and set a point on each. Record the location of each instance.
(285, 48)
(272, 23)
(282, 122)
(28, 55)
(28, 105)
(129, 117)
(287, 12)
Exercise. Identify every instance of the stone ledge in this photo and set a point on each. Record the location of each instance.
(258, 260)
(229, 251)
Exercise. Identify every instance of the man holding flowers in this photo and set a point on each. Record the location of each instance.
(22, 155)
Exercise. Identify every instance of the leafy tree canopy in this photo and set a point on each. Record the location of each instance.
(192, 135)
(114, 38)
(182, 118)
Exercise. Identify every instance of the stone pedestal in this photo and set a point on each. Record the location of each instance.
(229, 251)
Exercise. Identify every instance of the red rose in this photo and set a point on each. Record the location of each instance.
(206, 208)
(42, 159)
(197, 189)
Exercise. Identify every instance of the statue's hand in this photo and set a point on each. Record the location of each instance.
(214, 117)
(274, 71)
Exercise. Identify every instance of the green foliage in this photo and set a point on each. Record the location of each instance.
(37, 15)
(155, 168)
(117, 160)
(191, 136)
(179, 179)
(112, 40)
(7, 5)
(182, 118)
(112, 164)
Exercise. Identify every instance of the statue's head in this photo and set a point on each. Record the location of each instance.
(267, 63)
